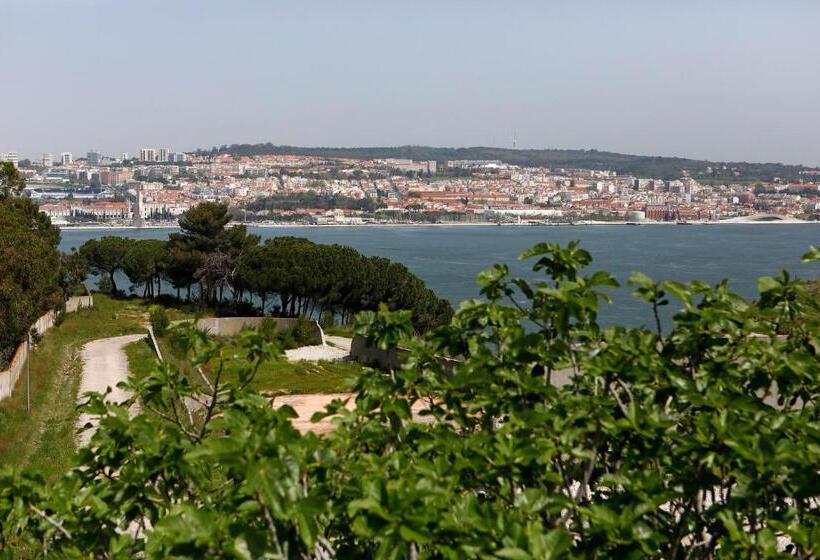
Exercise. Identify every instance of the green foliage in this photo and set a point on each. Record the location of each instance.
(73, 272)
(106, 256)
(159, 319)
(304, 331)
(312, 279)
(226, 262)
(144, 263)
(30, 272)
(543, 435)
(11, 180)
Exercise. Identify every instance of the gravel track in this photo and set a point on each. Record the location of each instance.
(104, 365)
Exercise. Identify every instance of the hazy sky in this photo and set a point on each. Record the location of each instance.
(725, 80)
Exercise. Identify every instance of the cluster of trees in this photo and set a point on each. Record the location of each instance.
(312, 279)
(624, 164)
(217, 265)
(33, 275)
(547, 437)
(310, 199)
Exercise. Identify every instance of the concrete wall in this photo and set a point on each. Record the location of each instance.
(374, 357)
(9, 377)
(230, 326)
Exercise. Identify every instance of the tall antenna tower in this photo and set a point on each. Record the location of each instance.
(515, 139)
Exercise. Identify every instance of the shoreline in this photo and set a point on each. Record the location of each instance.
(264, 225)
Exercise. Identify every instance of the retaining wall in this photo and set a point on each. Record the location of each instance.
(9, 377)
(230, 326)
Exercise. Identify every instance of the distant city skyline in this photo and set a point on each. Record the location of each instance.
(725, 82)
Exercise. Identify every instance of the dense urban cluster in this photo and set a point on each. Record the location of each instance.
(157, 185)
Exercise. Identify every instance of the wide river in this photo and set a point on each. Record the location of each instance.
(449, 258)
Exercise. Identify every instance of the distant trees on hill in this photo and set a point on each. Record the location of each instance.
(219, 265)
(623, 164)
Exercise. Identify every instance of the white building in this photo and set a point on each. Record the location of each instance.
(66, 158)
(48, 160)
(162, 154)
(12, 157)
(148, 154)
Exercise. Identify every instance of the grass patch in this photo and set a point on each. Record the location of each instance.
(339, 330)
(276, 375)
(141, 358)
(45, 436)
(304, 377)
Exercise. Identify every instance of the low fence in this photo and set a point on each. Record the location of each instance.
(9, 377)
(231, 326)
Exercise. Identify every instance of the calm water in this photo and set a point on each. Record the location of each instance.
(449, 258)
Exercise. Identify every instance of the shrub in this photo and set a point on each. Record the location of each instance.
(158, 318)
(269, 329)
(303, 331)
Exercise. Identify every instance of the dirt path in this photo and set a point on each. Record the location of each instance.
(104, 365)
(309, 404)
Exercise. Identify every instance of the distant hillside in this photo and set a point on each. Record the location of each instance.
(623, 164)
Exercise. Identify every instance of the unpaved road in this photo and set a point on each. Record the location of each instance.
(104, 365)
(309, 404)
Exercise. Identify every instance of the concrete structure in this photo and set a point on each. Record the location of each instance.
(66, 158)
(231, 326)
(48, 160)
(162, 154)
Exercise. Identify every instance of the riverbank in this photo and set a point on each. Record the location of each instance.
(278, 225)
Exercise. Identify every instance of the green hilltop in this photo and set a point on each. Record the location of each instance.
(624, 164)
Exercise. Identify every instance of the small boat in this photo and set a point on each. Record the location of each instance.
(683, 223)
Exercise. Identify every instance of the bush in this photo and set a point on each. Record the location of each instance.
(303, 331)
(269, 329)
(158, 318)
